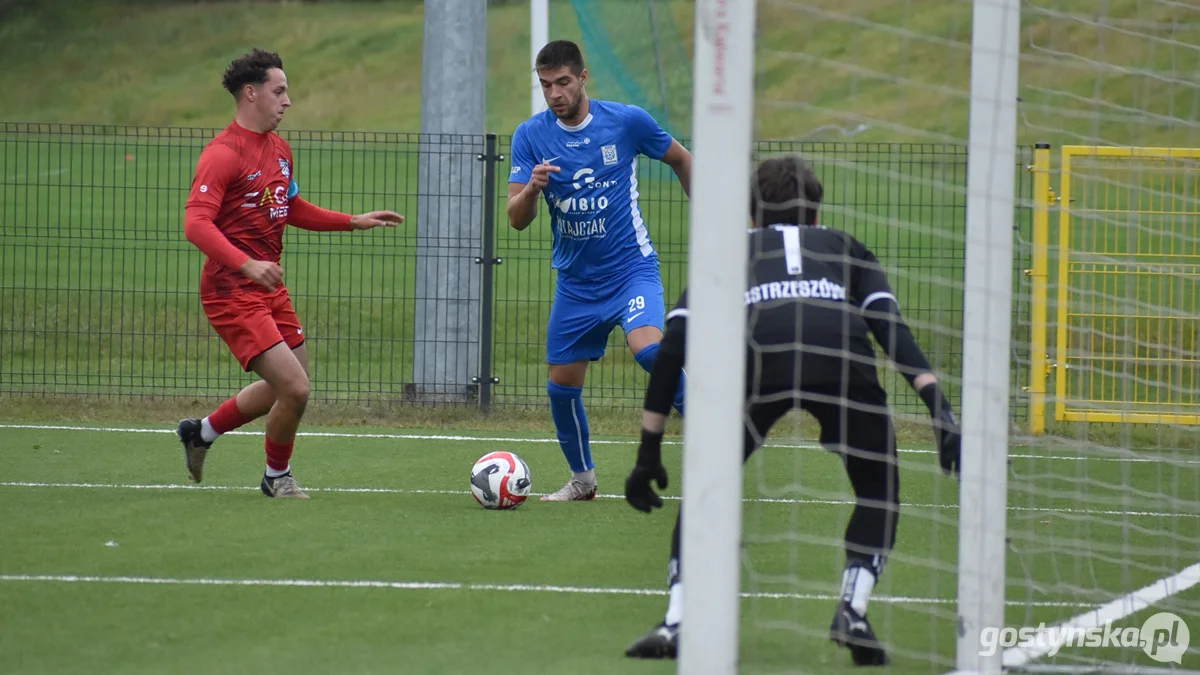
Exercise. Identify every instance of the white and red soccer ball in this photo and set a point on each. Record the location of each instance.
(500, 480)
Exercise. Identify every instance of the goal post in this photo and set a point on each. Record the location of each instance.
(723, 102)
(1023, 172)
(987, 327)
(539, 35)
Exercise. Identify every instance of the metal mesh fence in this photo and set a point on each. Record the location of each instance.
(99, 287)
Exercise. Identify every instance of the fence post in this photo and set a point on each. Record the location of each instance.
(487, 261)
(1038, 275)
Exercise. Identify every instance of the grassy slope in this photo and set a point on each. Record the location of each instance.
(95, 65)
(91, 64)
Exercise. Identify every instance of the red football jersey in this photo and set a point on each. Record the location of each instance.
(244, 181)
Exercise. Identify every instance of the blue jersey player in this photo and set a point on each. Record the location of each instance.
(581, 157)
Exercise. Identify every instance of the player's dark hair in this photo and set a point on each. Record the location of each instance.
(785, 191)
(250, 69)
(560, 53)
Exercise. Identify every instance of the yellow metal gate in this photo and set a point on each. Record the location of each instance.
(1128, 286)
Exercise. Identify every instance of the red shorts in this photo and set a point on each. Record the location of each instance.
(252, 322)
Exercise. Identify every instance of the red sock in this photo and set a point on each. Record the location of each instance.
(227, 417)
(278, 455)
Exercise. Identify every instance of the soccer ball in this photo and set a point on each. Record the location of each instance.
(500, 480)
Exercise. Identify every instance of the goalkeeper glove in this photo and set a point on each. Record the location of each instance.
(946, 434)
(649, 467)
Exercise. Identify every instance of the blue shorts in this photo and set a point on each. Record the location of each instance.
(583, 316)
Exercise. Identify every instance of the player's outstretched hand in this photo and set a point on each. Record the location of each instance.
(265, 274)
(541, 175)
(366, 221)
(649, 468)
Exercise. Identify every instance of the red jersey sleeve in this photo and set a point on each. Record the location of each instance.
(216, 169)
(308, 216)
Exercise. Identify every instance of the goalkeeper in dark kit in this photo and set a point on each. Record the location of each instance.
(815, 298)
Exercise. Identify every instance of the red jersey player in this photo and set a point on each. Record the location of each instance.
(244, 192)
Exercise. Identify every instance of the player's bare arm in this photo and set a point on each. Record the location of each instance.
(680, 160)
(523, 198)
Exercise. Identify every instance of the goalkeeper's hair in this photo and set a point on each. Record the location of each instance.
(785, 191)
(560, 53)
(250, 68)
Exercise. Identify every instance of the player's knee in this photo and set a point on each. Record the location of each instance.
(569, 375)
(295, 393)
(300, 391)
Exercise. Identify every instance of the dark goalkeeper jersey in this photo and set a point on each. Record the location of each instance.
(807, 289)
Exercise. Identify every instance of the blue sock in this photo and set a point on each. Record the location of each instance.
(645, 359)
(566, 406)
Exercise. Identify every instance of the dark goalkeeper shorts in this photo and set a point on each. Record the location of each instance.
(854, 421)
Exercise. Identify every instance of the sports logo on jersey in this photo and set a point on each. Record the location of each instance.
(610, 154)
(275, 200)
(285, 168)
(589, 180)
(584, 173)
(254, 175)
(580, 204)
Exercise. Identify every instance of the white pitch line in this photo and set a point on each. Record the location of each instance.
(464, 586)
(404, 437)
(1038, 646)
(419, 491)
(507, 439)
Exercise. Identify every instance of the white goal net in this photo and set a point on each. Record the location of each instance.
(1055, 291)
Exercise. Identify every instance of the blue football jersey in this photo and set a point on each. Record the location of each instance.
(593, 199)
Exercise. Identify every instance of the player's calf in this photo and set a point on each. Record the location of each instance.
(288, 379)
(571, 423)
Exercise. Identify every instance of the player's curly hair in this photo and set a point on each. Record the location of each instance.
(560, 53)
(785, 191)
(250, 68)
